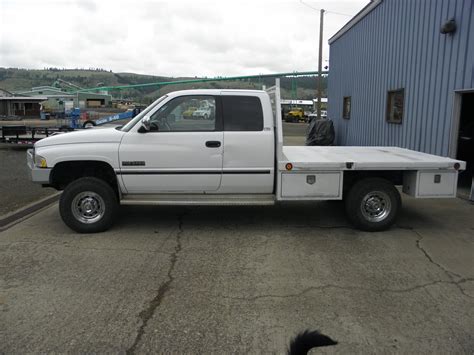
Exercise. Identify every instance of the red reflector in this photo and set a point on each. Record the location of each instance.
(457, 166)
(289, 166)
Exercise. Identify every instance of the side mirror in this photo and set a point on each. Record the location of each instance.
(145, 125)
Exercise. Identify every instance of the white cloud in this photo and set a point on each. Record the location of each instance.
(169, 38)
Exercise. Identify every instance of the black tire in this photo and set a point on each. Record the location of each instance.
(88, 193)
(89, 124)
(372, 204)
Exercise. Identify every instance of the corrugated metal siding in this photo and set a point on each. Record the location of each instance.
(399, 45)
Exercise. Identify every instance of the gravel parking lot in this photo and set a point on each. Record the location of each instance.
(222, 280)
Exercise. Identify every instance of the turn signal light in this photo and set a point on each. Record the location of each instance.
(40, 162)
(289, 166)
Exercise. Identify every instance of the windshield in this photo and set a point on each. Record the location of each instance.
(138, 117)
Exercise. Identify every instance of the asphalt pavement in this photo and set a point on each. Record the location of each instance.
(16, 189)
(240, 280)
(236, 279)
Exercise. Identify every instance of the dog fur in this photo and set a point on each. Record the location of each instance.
(307, 340)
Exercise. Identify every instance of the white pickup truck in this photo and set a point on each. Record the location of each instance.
(234, 156)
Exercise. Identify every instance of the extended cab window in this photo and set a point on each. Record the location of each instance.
(242, 113)
(185, 114)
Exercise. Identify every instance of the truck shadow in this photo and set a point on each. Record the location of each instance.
(320, 214)
(325, 214)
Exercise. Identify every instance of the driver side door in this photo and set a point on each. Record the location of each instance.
(182, 152)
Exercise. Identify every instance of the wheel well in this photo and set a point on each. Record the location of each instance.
(66, 172)
(351, 177)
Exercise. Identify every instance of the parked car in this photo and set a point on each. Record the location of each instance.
(189, 112)
(203, 113)
(296, 114)
(314, 115)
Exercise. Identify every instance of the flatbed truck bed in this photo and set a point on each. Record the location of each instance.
(362, 158)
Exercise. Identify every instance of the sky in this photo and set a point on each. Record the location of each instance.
(170, 38)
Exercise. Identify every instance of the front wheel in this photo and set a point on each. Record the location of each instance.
(372, 204)
(88, 205)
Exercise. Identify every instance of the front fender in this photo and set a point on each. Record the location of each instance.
(105, 152)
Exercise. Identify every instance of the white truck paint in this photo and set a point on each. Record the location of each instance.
(219, 164)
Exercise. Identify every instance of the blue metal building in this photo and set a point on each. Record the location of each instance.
(395, 45)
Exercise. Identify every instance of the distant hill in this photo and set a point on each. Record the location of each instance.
(14, 79)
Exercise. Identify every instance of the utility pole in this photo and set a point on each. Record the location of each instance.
(320, 63)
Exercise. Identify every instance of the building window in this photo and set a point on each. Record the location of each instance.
(395, 100)
(346, 107)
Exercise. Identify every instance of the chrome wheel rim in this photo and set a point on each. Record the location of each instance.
(376, 206)
(88, 207)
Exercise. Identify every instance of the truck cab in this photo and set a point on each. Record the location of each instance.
(232, 156)
(231, 150)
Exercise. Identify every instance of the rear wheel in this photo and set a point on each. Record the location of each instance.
(372, 204)
(89, 124)
(88, 205)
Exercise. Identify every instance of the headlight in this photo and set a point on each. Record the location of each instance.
(40, 162)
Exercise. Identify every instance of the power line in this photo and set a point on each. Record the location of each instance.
(339, 13)
(328, 11)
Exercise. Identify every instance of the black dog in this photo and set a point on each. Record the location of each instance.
(305, 341)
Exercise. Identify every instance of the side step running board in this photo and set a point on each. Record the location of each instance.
(198, 200)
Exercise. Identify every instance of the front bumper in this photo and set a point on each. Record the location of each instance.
(39, 175)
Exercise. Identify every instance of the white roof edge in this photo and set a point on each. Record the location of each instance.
(353, 21)
(241, 90)
(212, 91)
(24, 98)
(308, 101)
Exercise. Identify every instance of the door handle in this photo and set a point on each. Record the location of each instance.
(213, 144)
